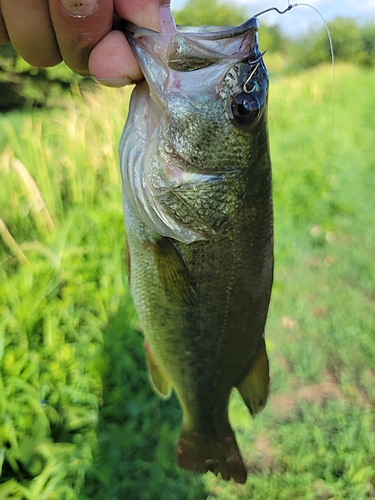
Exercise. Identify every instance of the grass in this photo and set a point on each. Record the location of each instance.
(77, 418)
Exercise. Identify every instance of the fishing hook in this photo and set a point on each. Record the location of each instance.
(290, 6)
(257, 62)
(247, 81)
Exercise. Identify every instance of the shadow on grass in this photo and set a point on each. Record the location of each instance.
(137, 431)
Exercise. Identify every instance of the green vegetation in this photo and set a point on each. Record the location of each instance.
(77, 418)
(352, 43)
(22, 85)
(210, 13)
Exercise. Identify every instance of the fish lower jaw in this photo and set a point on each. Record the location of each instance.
(218, 454)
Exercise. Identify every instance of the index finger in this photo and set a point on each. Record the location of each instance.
(79, 25)
(112, 61)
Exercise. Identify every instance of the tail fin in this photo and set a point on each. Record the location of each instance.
(201, 453)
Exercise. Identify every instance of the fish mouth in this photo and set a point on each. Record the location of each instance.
(185, 59)
(202, 32)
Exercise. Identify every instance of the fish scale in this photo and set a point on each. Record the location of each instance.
(199, 222)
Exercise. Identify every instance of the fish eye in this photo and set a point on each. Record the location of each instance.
(245, 109)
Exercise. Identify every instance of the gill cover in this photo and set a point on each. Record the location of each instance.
(172, 184)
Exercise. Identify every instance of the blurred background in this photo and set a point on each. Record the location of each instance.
(78, 419)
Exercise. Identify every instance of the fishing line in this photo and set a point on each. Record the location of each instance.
(289, 8)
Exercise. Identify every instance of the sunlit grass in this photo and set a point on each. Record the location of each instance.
(61, 280)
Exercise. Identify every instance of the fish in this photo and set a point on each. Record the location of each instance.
(197, 196)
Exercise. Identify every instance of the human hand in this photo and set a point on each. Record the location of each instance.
(81, 32)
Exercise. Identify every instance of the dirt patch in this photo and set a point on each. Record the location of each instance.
(334, 369)
(320, 312)
(264, 448)
(262, 458)
(370, 376)
(321, 491)
(284, 364)
(289, 323)
(283, 404)
(317, 394)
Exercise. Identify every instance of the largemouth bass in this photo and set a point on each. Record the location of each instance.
(197, 190)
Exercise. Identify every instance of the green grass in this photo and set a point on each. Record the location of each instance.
(77, 417)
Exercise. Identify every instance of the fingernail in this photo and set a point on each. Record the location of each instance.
(79, 8)
(114, 82)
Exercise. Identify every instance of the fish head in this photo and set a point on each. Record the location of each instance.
(199, 66)
(198, 115)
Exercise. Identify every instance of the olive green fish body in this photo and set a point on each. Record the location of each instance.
(198, 213)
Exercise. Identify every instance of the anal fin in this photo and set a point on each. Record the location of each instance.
(159, 380)
(255, 386)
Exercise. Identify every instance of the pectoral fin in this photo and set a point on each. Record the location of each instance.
(159, 380)
(173, 272)
(254, 387)
(204, 203)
